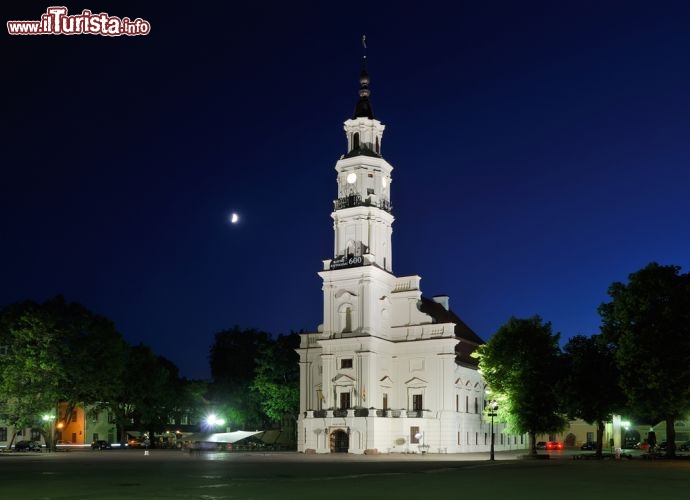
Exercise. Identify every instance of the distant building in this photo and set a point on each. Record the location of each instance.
(389, 370)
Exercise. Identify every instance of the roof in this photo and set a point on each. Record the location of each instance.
(363, 109)
(469, 340)
(362, 150)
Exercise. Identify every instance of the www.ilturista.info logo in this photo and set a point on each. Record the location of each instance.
(56, 22)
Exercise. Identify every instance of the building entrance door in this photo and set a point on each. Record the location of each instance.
(340, 441)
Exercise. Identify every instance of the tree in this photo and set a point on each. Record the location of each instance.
(56, 351)
(92, 352)
(149, 392)
(233, 358)
(521, 363)
(30, 370)
(647, 322)
(276, 378)
(589, 388)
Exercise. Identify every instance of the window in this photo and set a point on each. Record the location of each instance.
(344, 400)
(95, 436)
(467, 404)
(457, 402)
(35, 435)
(4, 350)
(355, 140)
(377, 145)
(486, 436)
(458, 438)
(319, 398)
(501, 438)
(3, 433)
(476, 438)
(476, 405)
(346, 312)
(413, 435)
(346, 363)
(417, 402)
(385, 401)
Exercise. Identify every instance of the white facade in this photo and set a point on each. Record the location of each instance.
(388, 371)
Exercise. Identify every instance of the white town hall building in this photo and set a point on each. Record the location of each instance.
(389, 371)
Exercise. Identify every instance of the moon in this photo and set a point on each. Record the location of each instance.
(234, 218)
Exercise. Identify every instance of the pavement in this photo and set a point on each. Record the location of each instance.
(174, 475)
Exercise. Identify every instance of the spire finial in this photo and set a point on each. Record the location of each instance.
(363, 108)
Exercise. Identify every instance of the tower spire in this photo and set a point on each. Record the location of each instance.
(363, 108)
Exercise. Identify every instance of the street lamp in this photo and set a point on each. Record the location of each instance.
(212, 421)
(492, 413)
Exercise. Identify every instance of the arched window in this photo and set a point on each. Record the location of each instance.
(377, 145)
(355, 140)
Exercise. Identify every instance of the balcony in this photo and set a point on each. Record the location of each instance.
(368, 412)
(355, 200)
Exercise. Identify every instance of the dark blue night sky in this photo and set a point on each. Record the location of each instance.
(541, 152)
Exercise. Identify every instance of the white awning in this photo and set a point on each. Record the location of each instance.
(221, 437)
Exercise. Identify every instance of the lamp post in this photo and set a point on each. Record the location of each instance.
(492, 413)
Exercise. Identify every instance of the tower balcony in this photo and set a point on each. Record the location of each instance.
(355, 200)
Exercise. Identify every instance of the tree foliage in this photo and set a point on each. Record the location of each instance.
(589, 387)
(233, 358)
(55, 351)
(255, 377)
(277, 378)
(521, 363)
(647, 322)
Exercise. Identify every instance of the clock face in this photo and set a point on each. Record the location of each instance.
(351, 178)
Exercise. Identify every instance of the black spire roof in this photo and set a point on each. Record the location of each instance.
(363, 108)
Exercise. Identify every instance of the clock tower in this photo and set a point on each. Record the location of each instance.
(362, 213)
(360, 273)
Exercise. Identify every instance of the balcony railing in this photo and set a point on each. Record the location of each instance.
(355, 200)
(367, 412)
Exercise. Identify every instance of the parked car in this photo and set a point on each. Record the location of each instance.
(554, 445)
(541, 445)
(28, 446)
(589, 446)
(685, 446)
(101, 444)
